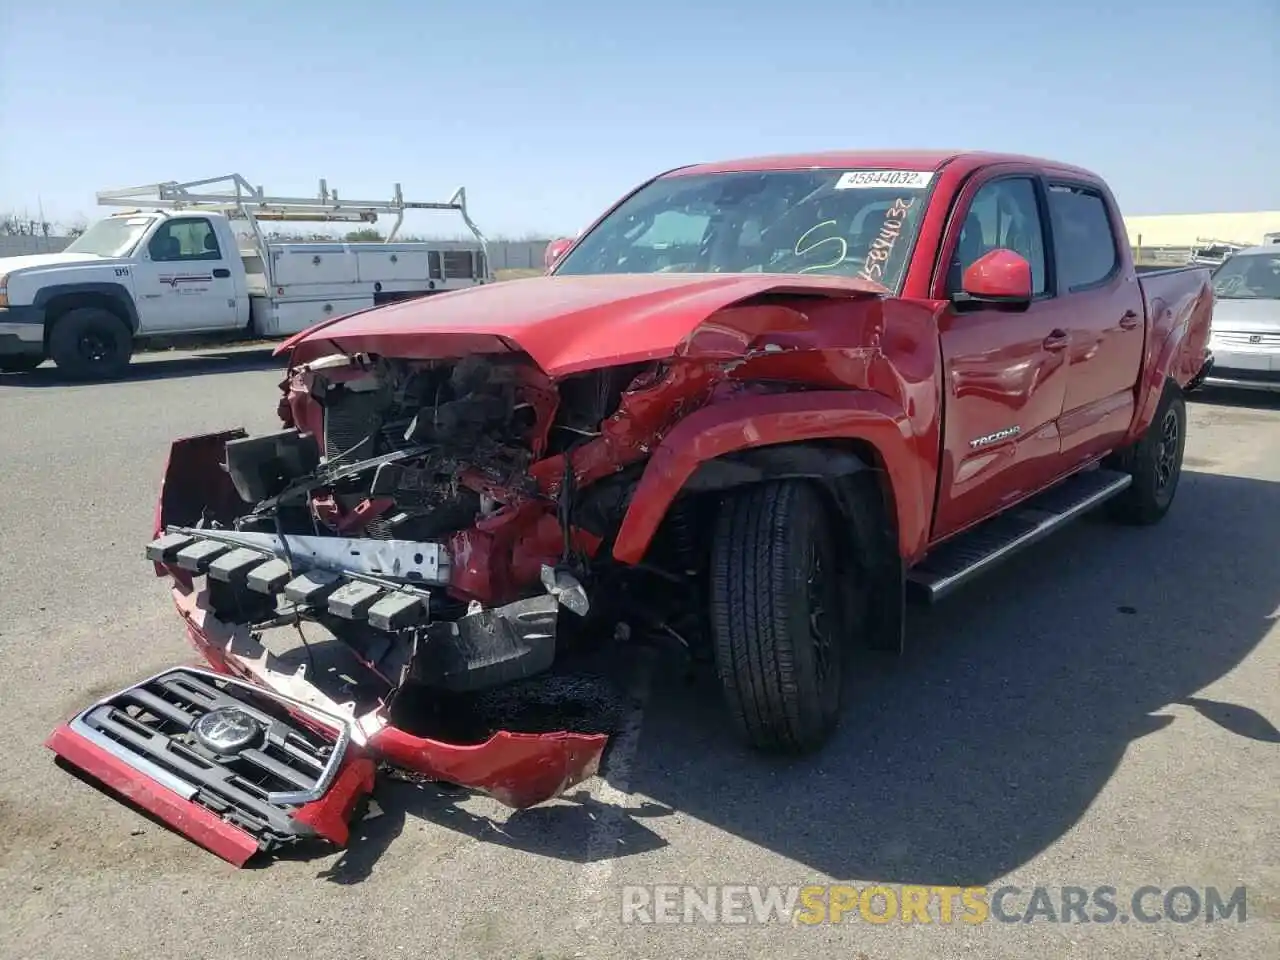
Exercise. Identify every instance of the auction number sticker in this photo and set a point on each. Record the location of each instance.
(870, 179)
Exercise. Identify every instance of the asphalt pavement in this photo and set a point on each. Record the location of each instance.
(1101, 712)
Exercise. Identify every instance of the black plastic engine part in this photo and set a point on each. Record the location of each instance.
(487, 648)
(262, 466)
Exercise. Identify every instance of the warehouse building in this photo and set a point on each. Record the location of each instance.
(1173, 238)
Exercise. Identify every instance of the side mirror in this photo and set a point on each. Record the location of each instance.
(555, 250)
(998, 277)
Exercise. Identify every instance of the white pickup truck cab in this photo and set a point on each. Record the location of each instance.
(180, 271)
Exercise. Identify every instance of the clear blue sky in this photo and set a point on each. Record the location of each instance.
(548, 111)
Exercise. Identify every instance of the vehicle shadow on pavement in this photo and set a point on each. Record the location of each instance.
(1012, 707)
(558, 830)
(155, 366)
(958, 763)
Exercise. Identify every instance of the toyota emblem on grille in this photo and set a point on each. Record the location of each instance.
(1255, 338)
(226, 730)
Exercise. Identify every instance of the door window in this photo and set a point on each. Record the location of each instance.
(184, 240)
(1003, 214)
(1082, 234)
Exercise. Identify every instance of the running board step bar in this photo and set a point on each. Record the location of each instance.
(977, 550)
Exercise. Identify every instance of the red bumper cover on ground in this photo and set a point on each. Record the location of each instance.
(518, 769)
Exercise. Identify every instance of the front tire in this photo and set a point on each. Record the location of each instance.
(1155, 463)
(776, 620)
(91, 344)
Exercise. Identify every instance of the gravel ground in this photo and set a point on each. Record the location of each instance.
(1102, 712)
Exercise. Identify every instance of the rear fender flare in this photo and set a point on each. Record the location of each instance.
(1156, 378)
(1172, 356)
(770, 420)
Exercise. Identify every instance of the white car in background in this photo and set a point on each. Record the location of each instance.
(1246, 320)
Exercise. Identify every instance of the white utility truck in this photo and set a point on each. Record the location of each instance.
(175, 270)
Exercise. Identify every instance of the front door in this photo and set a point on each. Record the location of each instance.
(184, 280)
(1005, 372)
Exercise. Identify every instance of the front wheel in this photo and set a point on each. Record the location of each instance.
(1155, 463)
(776, 615)
(91, 344)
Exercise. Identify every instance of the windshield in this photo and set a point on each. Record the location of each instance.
(113, 237)
(853, 223)
(1249, 276)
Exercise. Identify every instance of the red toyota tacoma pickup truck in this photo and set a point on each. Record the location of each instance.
(756, 406)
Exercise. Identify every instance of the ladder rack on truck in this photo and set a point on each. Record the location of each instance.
(239, 200)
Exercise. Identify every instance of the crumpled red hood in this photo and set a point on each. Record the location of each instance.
(565, 324)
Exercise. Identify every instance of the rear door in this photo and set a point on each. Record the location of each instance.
(1100, 304)
(184, 279)
(1005, 372)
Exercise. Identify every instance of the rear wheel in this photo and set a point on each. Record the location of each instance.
(20, 363)
(1155, 463)
(776, 615)
(91, 344)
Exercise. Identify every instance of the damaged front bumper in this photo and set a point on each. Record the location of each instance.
(383, 585)
(518, 769)
(143, 741)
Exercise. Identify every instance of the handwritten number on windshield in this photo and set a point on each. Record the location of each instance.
(839, 241)
(895, 219)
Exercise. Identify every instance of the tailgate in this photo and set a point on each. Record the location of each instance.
(233, 767)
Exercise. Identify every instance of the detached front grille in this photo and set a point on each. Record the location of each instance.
(250, 762)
